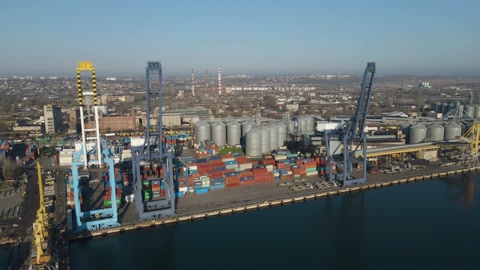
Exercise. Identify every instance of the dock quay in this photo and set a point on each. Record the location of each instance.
(268, 195)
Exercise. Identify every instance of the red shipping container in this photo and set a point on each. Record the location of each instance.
(232, 179)
(227, 156)
(236, 184)
(241, 160)
(247, 182)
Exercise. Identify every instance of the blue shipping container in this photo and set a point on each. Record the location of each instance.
(179, 194)
(201, 190)
(217, 187)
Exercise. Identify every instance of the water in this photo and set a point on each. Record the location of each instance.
(428, 225)
(4, 256)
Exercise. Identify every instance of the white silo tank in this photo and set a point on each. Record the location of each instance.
(309, 123)
(265, 139)
(302, 124)
(246, 127)
(253, 147)
(476, 113)
(282, 134)
(470, 110)
(273, 136)
(202, 131)
(452, 131)
(234, 133)
(436, 132)
(219, 133)
(418, 133)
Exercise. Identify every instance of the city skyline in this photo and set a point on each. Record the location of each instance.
(247, 37)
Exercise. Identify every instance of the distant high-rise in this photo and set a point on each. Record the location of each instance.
(53, 118)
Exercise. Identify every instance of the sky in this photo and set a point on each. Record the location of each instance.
(50, 37)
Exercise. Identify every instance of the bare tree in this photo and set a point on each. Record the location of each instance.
(9, 169)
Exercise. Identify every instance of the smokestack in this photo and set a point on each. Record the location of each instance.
(193, 83)
(219, 81)
(206, 80)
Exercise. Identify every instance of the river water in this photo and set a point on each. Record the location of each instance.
(427, 225)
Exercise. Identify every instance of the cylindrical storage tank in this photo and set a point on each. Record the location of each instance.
(438, 107)
(273, 136)
(303, 125)
(418, 133)
(460, 110)
(452, 131)
(219, 133)
(444, 108)
(253, 147)
(282, 134)
(265, 139)
(451, 107)
(405, 128)
(436, 133)
(476, 113)
(202, 131)
(309, 121)
(246, 127)
(470, 110)
(234, 133)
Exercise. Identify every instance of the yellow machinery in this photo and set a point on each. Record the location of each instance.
(40, 228)
(470, 155)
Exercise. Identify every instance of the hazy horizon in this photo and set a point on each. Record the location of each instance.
(241, 37)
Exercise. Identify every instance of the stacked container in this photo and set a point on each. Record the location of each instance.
(156, 190)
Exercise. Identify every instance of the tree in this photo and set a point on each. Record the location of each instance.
(9, 169)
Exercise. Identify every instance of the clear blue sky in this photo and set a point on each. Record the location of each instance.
(240, 36)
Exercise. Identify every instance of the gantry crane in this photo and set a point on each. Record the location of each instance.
(470, 154)
(342, 142)
(152, 153)
(99, 218)
(40, 233)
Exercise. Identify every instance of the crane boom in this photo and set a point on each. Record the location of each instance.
(345, 140)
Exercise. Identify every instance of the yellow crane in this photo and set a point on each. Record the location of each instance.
(40, 228)
(472, 137)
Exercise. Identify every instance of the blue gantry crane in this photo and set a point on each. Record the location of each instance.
(342, 142)
(92, 219)
(154, 194)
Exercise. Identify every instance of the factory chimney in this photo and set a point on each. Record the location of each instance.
(193, 83)
(219, 81)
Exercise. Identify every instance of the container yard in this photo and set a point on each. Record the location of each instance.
(98, 185)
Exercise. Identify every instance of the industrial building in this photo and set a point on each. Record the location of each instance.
(53, 118)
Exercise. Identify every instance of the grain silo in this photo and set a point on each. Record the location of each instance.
(246, 127)
(282, 134)
(254, 143)
(418, 133)
(470, 111)
(219, 133)
(436, 132)
(202, 131)
(476, 113)
(234, 132)
(452, 131)
(265, 139)
(309, 123)
(273, 136)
